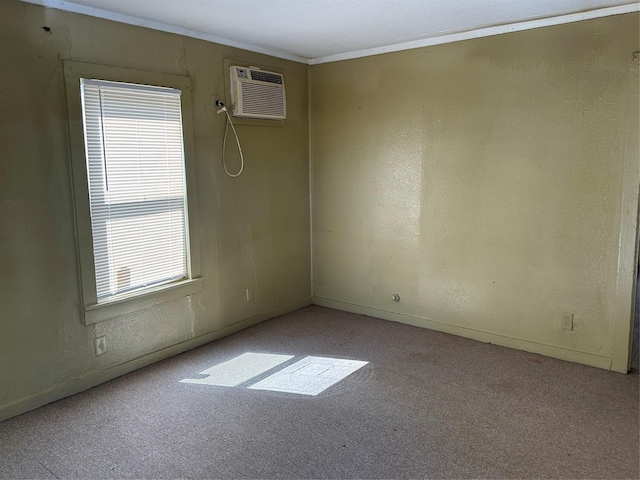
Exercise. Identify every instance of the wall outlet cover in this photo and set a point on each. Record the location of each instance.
(567, 321)
(101, 345)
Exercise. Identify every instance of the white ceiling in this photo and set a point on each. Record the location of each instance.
(316, 31)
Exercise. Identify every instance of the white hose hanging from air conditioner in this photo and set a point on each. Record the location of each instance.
(224, 141)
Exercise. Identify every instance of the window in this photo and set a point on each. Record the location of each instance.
(135, 163)
(134, 234)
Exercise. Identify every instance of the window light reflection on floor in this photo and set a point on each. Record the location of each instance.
(308, 376)
(239, 369)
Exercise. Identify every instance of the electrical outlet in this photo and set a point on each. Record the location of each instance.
(101, 345)
(249, 294)
(567, 321)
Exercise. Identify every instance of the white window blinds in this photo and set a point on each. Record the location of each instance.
(135, 164)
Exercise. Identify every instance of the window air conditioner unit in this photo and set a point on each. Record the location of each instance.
(257, 93)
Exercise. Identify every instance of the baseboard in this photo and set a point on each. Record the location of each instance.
(59, 392)
(553, 351)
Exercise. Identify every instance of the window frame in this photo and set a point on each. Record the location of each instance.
(125, 303)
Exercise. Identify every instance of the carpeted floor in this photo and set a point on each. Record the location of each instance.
(427, 405)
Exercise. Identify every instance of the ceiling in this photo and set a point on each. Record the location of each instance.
(317, 31)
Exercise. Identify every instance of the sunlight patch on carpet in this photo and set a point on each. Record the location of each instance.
(309, 376)
(239, 369)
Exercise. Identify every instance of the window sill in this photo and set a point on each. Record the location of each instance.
(132, 303)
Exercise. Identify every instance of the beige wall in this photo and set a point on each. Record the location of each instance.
(254, 230)
(492, 183)
(489, 183)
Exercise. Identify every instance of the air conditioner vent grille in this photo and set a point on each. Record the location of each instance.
(266, 77)
(261, 100)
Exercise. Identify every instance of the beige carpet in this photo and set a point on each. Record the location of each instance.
(427, 405)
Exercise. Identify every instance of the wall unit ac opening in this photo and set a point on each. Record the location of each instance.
(257, 93)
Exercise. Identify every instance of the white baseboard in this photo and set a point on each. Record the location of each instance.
(554, 351)
(59, 392)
